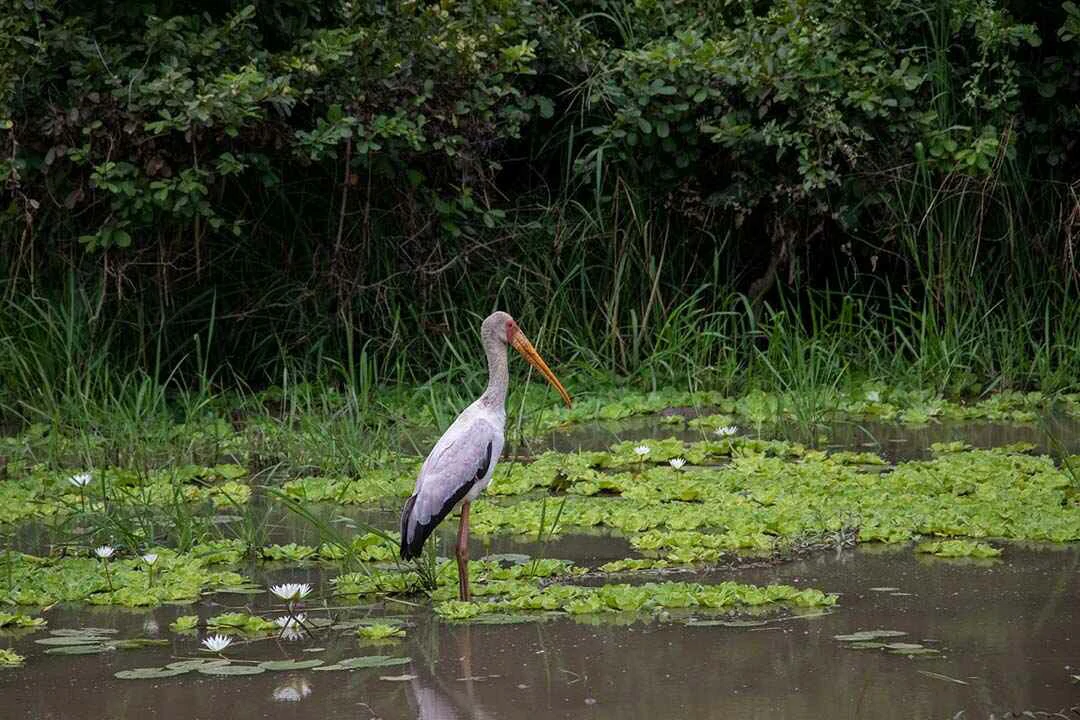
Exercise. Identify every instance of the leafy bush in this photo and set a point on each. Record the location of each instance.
(274, 174)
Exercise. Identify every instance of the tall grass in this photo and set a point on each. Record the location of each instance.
(624, 303)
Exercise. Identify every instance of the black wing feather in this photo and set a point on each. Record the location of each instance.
(413, 535)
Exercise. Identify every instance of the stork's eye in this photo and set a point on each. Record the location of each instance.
(510, 331)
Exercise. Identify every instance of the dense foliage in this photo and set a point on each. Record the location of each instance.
(306, 178)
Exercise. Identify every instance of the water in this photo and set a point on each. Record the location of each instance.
(1008, 635)
(1007, 630)
(894, 442)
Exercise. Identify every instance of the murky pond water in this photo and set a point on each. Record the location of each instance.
(1008, 633)
(1052, 435)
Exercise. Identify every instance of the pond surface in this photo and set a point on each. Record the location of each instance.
(1052, 435)
(1008, 633)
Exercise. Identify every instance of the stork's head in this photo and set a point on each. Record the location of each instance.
(500, 327)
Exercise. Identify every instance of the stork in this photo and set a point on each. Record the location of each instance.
(462, 462)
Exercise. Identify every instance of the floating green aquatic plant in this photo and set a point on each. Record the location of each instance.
(19, 620)
(36, 491)
(10, 658)
(756, 500)
(242, 622)
(958, 548)
(44, 581)
(184, 623)
(278, 665)
(380, 631)
(883, 640)
(578, 600)
(291, 552)
(632, 564)
(365, 662)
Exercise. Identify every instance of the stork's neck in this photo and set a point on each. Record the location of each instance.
(498, 375)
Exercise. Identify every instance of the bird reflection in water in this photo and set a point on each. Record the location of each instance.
(450, 695)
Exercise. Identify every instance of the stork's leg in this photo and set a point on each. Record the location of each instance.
(463, 553)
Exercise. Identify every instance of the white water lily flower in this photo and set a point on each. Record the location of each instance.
(104, 552)
(291, 591)
(873, 396)
(677, 463)
(726, 431)
(81, 480)
(642, 450)
(217, 643)
(150, 558)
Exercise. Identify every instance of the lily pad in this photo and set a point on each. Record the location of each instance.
(290, 664)
(135, 643)
(230, 669)
(242, 590)
(863, 635)
(695, 622)
(397, 678)
(79, 649)
(81, 632)
(71, 640)
(148, 673)
(915, 651)
(368, 661)
(185, 665)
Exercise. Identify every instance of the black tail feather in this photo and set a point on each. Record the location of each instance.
(413, 534)
(409, 550)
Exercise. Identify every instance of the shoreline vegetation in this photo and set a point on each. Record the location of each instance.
(223, 198)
